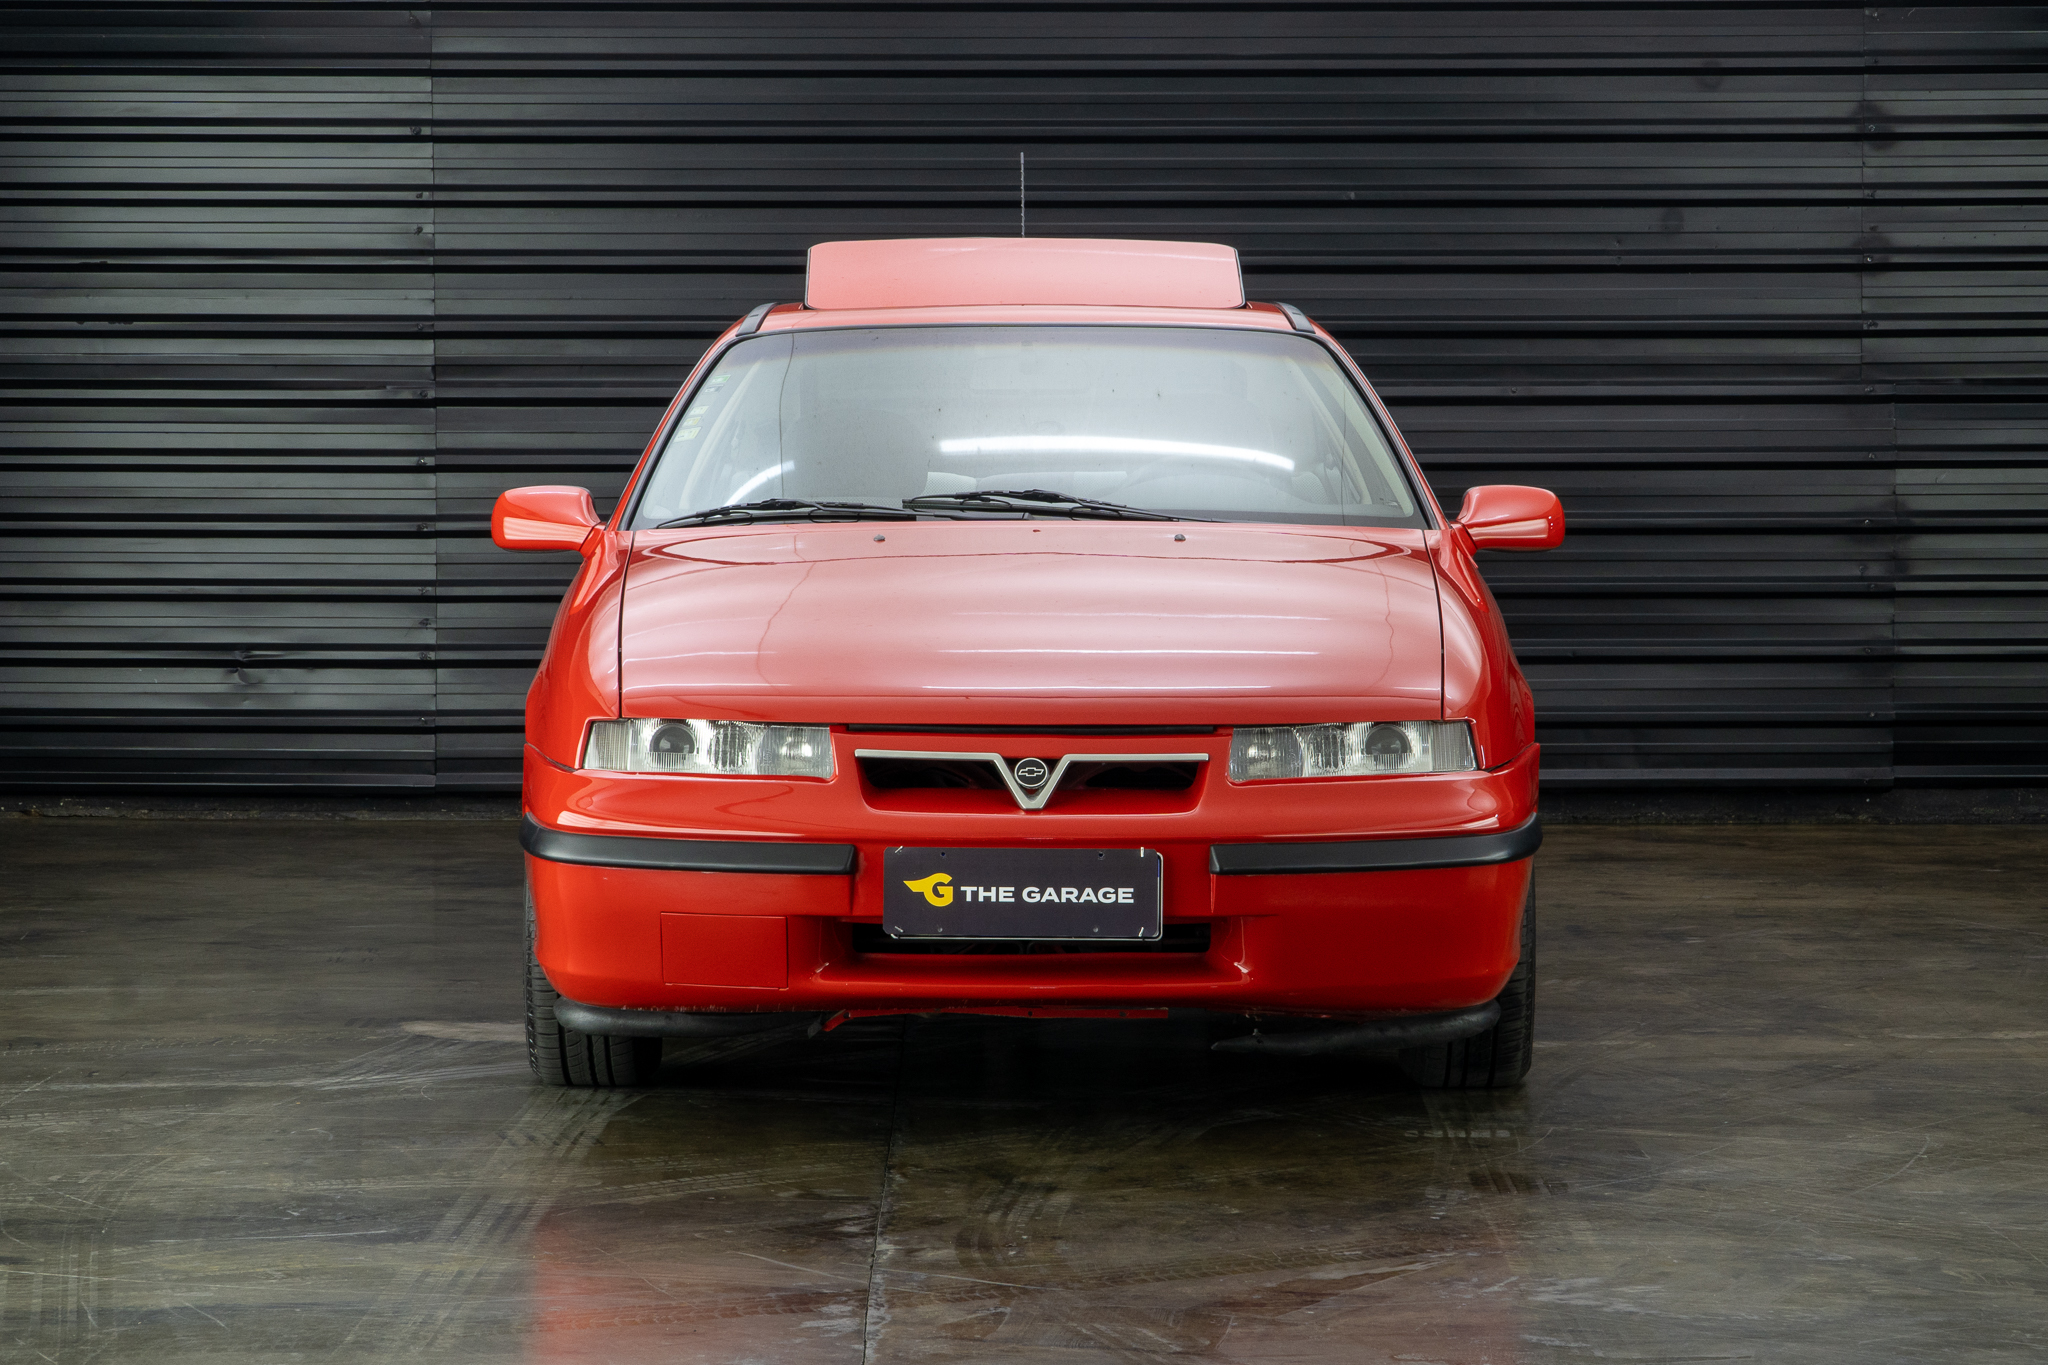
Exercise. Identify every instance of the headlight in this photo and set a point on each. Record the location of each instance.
(732, 747)
(1270, 753)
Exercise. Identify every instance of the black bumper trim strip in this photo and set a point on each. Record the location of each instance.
(1379, 855)
(603, 1021)
(683, 855)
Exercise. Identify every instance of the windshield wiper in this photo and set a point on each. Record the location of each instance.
(786, 509)
(1041, 502)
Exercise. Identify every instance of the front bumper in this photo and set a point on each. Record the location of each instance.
(753, 900)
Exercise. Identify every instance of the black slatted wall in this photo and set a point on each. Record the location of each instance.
(293, 290)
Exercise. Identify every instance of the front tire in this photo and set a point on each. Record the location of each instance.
(1498, 1058)
(562, 1056)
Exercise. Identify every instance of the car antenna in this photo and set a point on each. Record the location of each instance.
(1020, 196)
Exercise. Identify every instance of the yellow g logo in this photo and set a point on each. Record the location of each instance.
(934, 888)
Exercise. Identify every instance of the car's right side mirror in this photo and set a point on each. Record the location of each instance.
(1507, 516)
(543, 517)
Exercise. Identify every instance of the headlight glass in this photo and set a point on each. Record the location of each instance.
(734, 748)
(1273, 753)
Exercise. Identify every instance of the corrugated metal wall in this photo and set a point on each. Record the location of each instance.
(292, 291)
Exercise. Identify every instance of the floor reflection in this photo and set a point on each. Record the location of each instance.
(1785, 1108)
(1061, 1190)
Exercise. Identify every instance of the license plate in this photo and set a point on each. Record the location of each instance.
(1087, 894)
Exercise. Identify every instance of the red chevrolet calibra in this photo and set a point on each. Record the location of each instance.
(1030, 626)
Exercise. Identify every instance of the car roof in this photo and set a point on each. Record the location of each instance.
(796, 317)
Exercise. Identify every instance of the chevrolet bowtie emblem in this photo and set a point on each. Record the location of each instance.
(1031, 773)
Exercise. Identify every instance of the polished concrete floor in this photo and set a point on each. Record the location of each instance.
(262, 1100)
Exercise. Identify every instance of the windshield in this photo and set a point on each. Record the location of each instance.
(1237, 425)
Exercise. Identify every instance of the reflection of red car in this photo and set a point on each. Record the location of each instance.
(1029, 626)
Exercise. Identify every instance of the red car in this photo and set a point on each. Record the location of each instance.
(1030, 627)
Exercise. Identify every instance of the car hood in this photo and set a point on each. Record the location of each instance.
(1031, 623)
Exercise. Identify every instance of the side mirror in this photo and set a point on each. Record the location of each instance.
(544, 517)
(1506, 516)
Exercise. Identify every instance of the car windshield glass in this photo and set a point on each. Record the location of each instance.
(1231, 424)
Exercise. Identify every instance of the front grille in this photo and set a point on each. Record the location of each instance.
(1174, 938)
(1031, 729)
(902, 774)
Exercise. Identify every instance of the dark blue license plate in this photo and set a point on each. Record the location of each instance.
(1082, 894)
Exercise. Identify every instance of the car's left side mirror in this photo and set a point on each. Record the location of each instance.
(1507, 516)
(544, 517)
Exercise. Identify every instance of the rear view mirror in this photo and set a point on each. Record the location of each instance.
(1506, 516)
(544, 517)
